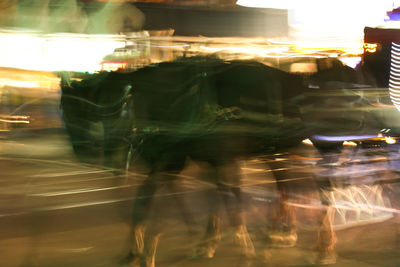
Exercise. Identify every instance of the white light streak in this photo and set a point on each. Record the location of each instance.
(394, 80)
(396, 49)
(14, 119)
(55, 52)
(307, 142)
(394, 84)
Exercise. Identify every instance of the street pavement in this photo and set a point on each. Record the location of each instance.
(56, 211)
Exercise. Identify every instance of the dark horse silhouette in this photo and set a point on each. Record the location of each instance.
(207, 110)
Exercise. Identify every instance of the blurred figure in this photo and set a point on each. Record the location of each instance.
(64, 16)
(113, 17)
(31, 14)
(76, 16)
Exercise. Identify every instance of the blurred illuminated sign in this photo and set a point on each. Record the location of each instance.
(370, 48)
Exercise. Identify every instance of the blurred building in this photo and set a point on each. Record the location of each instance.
(220, 20)
(185, 17)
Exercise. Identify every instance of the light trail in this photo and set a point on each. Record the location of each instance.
(75, 52)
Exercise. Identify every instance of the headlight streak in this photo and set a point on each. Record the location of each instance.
(390, 140)
(14, 119)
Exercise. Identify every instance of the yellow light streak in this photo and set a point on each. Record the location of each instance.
(349, 143)
(79, 52)
(390, 140)
(307, 142)
(335, 45)
(14, 119)
(19, 84)
(293, 49)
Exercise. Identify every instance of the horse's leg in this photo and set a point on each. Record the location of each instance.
(281, 228)
(150, 244)
(146, 240)
(229, 177)
(326, 235)
(212, 235)
(141, 209)
(143, 242)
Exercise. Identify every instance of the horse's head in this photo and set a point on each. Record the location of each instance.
(94, 109)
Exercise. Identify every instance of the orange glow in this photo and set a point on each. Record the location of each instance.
(341, 46)
(371, 48)
(290, 48)
(349, 143)
(307, 142)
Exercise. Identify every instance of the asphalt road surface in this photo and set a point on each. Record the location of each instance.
(56, 211)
